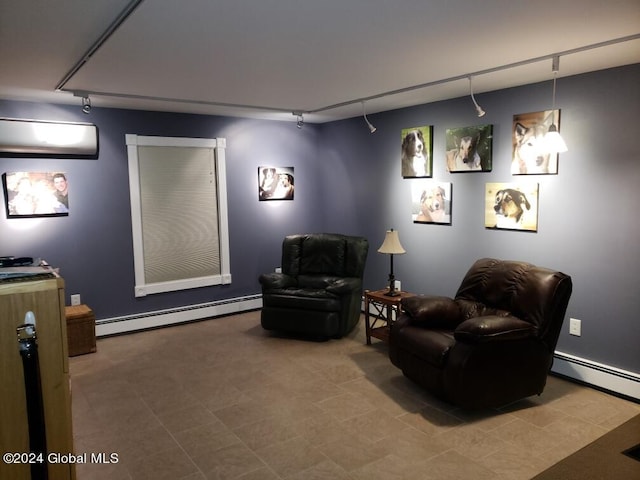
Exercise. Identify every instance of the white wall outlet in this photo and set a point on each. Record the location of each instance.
(75, 299)
(278, 270)
(575, 327)
(398, 285)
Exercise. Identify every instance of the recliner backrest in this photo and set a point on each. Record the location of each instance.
(324, 254)
(535, 294)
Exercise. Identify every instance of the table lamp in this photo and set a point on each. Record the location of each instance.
(391, 246)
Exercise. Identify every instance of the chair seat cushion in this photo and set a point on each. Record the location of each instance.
(303, 299)
(432, 346)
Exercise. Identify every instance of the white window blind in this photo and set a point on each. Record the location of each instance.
(179, 213)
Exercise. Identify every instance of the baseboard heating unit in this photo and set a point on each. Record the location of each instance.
(173, 316)
(608, 378)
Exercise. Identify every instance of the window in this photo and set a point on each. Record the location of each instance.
(178, 213)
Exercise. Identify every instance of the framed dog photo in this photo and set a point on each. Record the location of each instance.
(35, 194)
(530, 157)
(511, 206)
(275, 183)
(469, 149)
(417, 152)
(431, 202)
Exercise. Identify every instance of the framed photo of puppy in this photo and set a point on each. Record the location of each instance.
(35, 194)
(431, 202)
(530, 157)
(417, 152)
(511, 206)
(469, 149)
(275, 183)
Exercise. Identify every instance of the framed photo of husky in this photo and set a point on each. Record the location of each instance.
(469, 149)
(275, 183)
(417, 152)
(511, 206)
(431, 202)
(527, 135)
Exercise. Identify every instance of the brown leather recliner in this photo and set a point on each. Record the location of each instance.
(490, 345)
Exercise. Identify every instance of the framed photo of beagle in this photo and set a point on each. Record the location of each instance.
(431, 202)
(530, 157)
(511, 206)
(416, 152)
(469, 149)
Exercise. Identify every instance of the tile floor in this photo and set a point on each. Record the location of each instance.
(223, 399)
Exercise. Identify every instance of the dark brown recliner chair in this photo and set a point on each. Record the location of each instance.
(490, 345)
(319, 292)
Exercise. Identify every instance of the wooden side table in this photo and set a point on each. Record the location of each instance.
(385, 310)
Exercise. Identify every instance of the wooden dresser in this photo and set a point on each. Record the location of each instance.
(45, 298)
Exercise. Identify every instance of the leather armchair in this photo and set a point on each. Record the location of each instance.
(493, 343)
(319, 291)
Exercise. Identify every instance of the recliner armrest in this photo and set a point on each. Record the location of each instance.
(432, 311)
(344, 285)
(276, 280)
(493, 328)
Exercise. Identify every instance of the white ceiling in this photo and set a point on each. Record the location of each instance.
(269, 58)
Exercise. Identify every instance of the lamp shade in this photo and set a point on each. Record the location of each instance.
(553, 142)
(391, 244)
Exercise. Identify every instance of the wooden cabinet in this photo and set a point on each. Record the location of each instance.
(45, 298)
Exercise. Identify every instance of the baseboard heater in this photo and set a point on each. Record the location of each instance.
(173, 316)
(602, 376)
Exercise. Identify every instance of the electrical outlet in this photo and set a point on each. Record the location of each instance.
(575, 327)
(278, 269)
(75, 299)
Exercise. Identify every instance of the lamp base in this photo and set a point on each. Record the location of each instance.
(392, 293)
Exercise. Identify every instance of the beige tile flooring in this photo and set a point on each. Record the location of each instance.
(223, 399)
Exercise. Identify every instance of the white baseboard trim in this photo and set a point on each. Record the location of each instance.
(597, 374)
(162, 318)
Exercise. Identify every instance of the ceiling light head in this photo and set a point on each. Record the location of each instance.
(372, 129)
(86, 105)
(300, 119)
(479, 110)
(553, 141)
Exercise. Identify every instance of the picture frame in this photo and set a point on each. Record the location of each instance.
(469, 149)
(511, 206)
(35, 194)
(431, 202)
(275, 183)
(529, 156)
(416, 152)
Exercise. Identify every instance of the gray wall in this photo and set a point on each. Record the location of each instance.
(587, 226)
(349, 181)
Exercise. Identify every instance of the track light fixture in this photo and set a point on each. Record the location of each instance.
(479, 109)
(364, 113)
(86, 105)
(553, 142)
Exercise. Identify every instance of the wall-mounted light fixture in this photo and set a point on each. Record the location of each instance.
(553, 142)
(479, 109)
(364, 113)
(300, 119)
